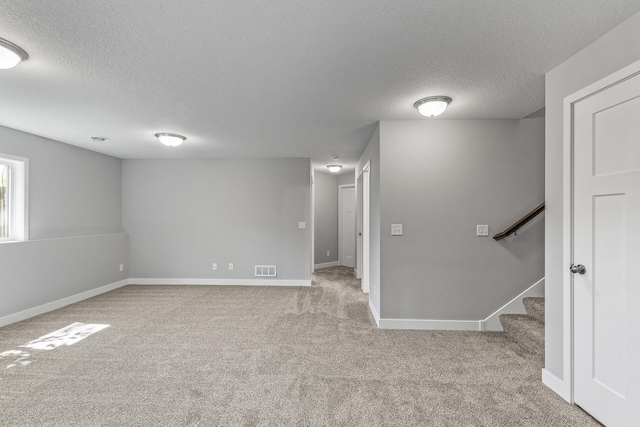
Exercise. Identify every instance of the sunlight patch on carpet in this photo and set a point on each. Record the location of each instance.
(21, 358)
(68, 335)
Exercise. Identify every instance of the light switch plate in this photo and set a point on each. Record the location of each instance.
(302, 224)
(482, 230)
(396, 229)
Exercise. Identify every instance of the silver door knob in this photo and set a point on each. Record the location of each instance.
(580, 269)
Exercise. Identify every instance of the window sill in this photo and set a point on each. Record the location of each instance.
(10, 241)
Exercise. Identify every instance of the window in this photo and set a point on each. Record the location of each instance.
(13, 198)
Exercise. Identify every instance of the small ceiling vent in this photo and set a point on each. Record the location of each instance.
(265, 271)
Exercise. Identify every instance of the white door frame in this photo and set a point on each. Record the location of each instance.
(359, 226)
(366, 240)
(312, 226)
(565, 388)
(341, 188)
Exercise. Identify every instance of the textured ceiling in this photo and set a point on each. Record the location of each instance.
(278, 78)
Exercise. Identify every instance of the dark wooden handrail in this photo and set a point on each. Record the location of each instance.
(519, 223)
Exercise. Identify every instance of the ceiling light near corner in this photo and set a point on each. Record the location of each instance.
(334, 168)
(170, 139)
(433, 105)
(11, 55)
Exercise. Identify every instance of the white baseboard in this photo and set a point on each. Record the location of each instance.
(515, 306)
(562, 388)
(54, 305)
(326, 264)
(374, 312)
(221, 282)
(427, 324)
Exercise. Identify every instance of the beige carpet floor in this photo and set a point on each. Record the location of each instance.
(265, 356)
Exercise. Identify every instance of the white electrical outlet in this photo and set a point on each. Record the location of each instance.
(215, 266)
(482, 230)
(328, 253)
(121, 267)
(302, 224)
(230, 266)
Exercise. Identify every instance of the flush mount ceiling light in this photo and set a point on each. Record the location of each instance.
(433, 105)
(170, 139)
(11, 55)
(98, 138)
(335, 168)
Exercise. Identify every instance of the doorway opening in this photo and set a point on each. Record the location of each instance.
(347, 225)
(334, 220)
(365, 228)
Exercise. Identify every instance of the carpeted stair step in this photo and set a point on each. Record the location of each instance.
(526, 330)
(534, 307)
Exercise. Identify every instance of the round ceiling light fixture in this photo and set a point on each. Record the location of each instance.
(170, 139)
(432, 106)
(11, 54)
(334, 168)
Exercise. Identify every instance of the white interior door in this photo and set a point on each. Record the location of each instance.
(364, 282)
(347, 225)
(606, 241)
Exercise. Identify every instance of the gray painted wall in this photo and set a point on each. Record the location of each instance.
(184, 215)
(371, 154)
(440, 178)
(75, 225)
(347, 178)
(615, 50)
(72, 191)
(326, 217)
(38, 272)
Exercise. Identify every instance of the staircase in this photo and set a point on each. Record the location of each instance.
(527, 329)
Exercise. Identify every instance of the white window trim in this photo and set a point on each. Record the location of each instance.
(19, 198)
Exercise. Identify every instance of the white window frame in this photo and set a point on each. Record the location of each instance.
(18, 200)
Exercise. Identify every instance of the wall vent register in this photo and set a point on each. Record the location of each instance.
(265, 271)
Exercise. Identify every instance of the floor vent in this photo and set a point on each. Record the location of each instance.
(265, 271)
